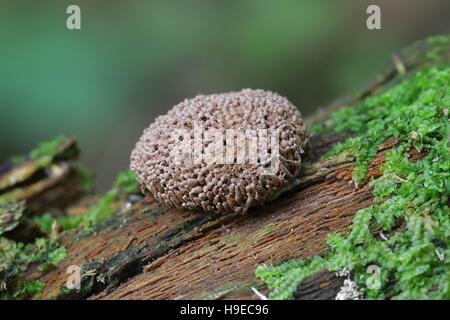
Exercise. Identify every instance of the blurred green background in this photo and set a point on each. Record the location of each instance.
(133, 60)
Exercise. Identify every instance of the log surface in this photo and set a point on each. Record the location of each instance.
(151, 252)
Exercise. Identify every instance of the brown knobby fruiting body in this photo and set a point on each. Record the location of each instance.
(245, 131)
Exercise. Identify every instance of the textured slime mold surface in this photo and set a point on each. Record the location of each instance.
(221, 186)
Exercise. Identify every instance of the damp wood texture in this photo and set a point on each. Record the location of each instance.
(148, 251)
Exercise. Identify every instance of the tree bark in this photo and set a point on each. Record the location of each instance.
(151, 252)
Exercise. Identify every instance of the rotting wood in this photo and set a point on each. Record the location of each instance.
(151, 252)
(45, 183)
(215, 252)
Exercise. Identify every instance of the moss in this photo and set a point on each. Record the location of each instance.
(284, 279)
(44, 222)
(438, 45)
(233, 240)
(262, 234)
(45, 152)
(124, 185)
(45, 253)
(85, 177)
(47, 149)
(252, 239)
(22, 173)
(268, 230)
(413, 260)
(16, 258)
(125, 182)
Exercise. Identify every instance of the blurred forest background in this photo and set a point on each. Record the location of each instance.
(133, 60)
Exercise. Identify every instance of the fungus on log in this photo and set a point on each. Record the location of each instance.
(222, 152)
(149, 251)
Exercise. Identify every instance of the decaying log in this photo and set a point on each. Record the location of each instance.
(45, 182)
(151, 252)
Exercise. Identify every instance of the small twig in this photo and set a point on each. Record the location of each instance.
(259, 294)
(399, 65)
(441, 256)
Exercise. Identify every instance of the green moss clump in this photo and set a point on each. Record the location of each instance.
(85, 177)
(44, 222)
(413, 259)
(124, 185)
(438, 45)
(284, 279)
(47, 149)
(46, 253)
(44, 152)
(16, 258)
